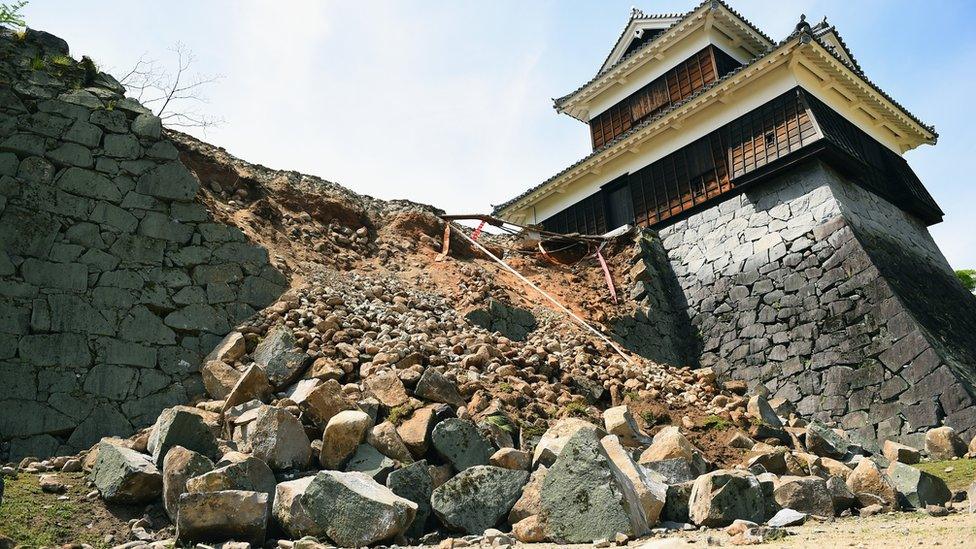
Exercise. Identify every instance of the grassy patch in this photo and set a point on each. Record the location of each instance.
(962, 475)
(575, 409)
(35, 519)
(716, 422)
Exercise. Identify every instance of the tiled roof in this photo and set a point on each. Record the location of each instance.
(714, 3)
(822, 29)
(650, 120)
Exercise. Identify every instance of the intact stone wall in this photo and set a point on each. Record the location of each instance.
(811, 289)
(114, 280)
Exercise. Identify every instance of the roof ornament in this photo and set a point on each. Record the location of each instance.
(636, 13)
(802, 26)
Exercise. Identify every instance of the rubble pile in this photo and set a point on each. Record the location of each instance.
(369, 404)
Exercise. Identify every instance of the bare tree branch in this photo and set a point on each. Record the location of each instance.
(171, 94)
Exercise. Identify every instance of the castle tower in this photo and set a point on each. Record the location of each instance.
(796, 234)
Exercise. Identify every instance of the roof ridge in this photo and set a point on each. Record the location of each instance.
(713, 3)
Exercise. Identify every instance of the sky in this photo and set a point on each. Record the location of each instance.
(449, 102)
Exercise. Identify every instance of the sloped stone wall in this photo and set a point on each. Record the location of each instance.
(114, 280)
(816, 291)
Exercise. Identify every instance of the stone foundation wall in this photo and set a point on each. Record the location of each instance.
(114, 279)
(814, 290)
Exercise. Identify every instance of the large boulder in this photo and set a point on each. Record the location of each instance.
(871, 485)
(555, 438)
(916, 488)
(460, 443)
(434, 387)
(179, 466)
(355, 509)
(123, 475)
(669, 443)
(220, 516)
(944, 443)
(824, 441)
(580, 499)
(414, 483)
(721, 497)
(277, 438)
(249, 474)
(808, 495)
(619, 421)
(181, 426)
(901, 452)
(281, 359)
(645, 496)
(477, 498)
(290, 512)
(344, 433)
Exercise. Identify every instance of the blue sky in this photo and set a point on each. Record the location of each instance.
(448, 102)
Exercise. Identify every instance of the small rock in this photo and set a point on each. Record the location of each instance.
(529, 530)
(510, 458)
(759, 408)
(900, 452)
(51, 484)
(787, 517)
(619, 421)
(871, 510)
(668, 443)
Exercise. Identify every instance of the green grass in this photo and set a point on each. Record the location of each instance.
(61, 60)
(35, 519)
(575, 409)
(716, 422)
(962, 475)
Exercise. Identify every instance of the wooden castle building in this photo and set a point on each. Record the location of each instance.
(786, 236)
(687, 109)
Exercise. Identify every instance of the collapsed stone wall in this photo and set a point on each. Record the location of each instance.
(114, 279)
(813, 290)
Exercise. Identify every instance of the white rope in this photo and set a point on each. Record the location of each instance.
(547, 296)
